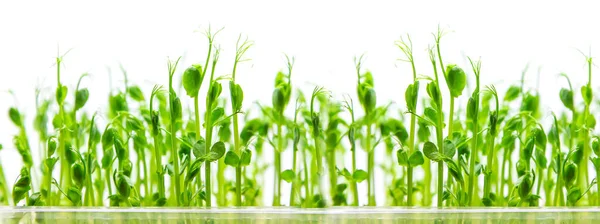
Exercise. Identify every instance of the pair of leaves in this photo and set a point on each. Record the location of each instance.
(415, 159)
(216, 151)
(358, 175)
(232, 158)
(432, 152)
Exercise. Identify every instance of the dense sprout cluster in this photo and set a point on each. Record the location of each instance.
(152, 152)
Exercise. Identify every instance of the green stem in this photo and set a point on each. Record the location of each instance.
(558, 191)
(426, 199)
(207, 163)
(370, 168)
(332, 173)
(353, 186)
(293, 187)
(308, 198)
(490, 165)
(277, 161)
(222, 201)
(238, 170)
(411, 146)
(174, 156)
(440, 174)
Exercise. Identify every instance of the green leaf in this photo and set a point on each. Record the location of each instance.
(590, 122)
(136, 93)
(194, 169)
(431, 151)
(527, 151)
(216, 114)
(434, 93)
(216, 152)
(246, 157)
(456, 80)
(107, 157)
(35, 199)
(288, 175)
(134, 124)
(586, 93)
(596, 145)
(51, 146)
(74, 195)
(525, 185)
(232, 159)
(449, 149)
(416, 159)
(61, 94)
(431, 114)
(402, 157)
(78, 174)
(453, 169)
(49, 164)
(215, 91)
(370, 99)
(569, 174)
(574, 195)
(278, 100)
(411, 96)
(472, 109)
(345, 173)
(566, 97)
(81, 97)
(237, 96)
(512, 93)
(108, 138)
(176, 109)
(360, 176)
(540, 158)
(199, 148)
(540, 138)
(192, 80)
(15, 116)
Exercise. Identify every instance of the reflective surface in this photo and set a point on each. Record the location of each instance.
(294, 215)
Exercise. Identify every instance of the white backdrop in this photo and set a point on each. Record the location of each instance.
(324, 36)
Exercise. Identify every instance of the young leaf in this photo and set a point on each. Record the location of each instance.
(61, 94)
(456, 80)
(566, 97)
(449, 148)
(232, 159)
(81, 98)
(402, 157)
(136, 93)
(15, 116)
(246, 157)
(199, 148)
(216, 152)
(192, 79)
(431, 151)
(416, 159)
(288, 175)
(360, 176)
(411, 96)
(512, 93)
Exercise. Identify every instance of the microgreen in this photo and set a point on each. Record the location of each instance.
(149, 150)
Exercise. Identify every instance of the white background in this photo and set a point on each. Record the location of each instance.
(324, 36)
